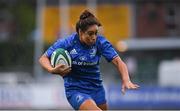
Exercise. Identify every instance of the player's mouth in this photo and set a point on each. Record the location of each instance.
(91, 43)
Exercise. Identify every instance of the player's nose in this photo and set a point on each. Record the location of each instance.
(93, 38)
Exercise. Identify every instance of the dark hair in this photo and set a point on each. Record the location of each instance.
(86, 19)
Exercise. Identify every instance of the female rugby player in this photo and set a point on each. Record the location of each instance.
(83, 85)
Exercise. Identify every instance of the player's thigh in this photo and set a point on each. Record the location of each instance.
(76, 98)
(103, 106)
(100, 99)
(89, 104)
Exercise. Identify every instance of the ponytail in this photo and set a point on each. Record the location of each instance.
(86, 19)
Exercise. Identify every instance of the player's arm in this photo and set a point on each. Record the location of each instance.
(123, 71)
(60, 69)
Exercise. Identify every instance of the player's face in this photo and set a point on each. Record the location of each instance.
(90, 35)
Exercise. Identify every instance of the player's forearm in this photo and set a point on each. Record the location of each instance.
(122, 68)
(45, 63)
(124, 72)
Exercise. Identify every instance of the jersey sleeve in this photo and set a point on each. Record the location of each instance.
(60, 43)
(107, 50)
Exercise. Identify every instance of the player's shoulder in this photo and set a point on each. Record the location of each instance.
(101, 39)
(69, 37)
(72, 36)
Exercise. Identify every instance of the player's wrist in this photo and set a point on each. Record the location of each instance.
(51, 70)
(126, 80)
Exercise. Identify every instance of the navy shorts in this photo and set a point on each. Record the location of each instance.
(77, 97)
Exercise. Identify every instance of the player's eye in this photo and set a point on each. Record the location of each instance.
(91, 33)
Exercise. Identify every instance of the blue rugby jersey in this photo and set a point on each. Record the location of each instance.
(85, 71)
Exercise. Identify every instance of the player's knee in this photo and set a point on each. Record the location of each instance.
(103, 107)
(89, 105)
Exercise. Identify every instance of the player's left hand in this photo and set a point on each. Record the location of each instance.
(128, 85)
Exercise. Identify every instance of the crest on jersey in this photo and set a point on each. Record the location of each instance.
(93, 51)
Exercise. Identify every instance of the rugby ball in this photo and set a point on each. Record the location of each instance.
(60, 56)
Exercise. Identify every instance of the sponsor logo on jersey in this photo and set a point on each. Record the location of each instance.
(73, 51)
(83, 58)
(82, 63)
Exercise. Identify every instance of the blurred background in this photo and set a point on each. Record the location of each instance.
(146, 34)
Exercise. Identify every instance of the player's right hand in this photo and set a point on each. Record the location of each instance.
(61, 69)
